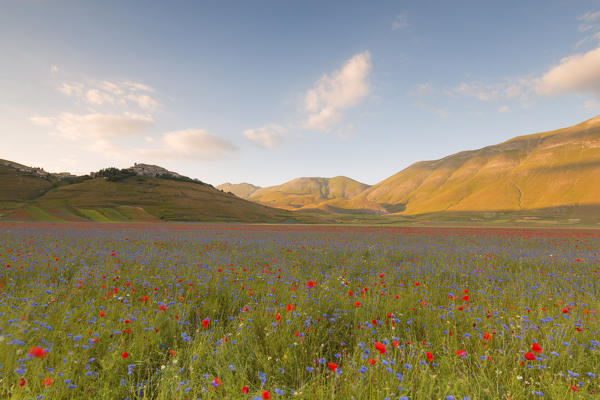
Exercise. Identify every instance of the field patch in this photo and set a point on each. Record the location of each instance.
(228, 311)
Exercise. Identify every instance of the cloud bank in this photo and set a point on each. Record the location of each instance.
(268, 136)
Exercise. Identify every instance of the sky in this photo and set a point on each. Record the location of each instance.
(268, 91)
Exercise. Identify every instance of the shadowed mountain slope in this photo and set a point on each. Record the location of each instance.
(302, 192)
(243, 190)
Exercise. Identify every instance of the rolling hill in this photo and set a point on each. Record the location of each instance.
(540, 171)
(140, 193)
(243, 190)
(302, 192)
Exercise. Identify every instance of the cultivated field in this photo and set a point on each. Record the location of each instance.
(171, 311)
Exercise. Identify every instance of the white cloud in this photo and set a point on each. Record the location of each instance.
(576, 73)
(266, 136)
(143, 101)
(96, 97)
(400, 22)
(94, 126)
(190, 143)
(98, 133)
(333, 93)
(138, 86)
(42, 121)
(590, 24)
(588, 20)
(71, 89)
(110, 87)
(518, 88)
(122, 93)
(503, 109)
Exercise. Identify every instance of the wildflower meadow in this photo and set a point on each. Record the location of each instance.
(206, 311)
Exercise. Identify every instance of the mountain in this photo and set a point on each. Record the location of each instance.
(243, 190)
(546, 170)
(551, 176)
(142, 192)
(303, 192)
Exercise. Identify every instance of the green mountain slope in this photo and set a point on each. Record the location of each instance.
(20, 183)
(40, 196)
(302, 192)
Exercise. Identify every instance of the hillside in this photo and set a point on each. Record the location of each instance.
(144, 193)
(539, 171)
(20, 183)
(243, 190)
(302, 192)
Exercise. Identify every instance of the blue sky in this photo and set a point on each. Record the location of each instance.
(264, 92)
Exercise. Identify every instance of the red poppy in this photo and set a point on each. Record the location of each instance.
(47, 382)
(429, 356)
(461, 353)
(266, 395)
(536, 347)
(380, 347)
(37, 352)
(162, 307)
(125, 354)
(205, 322)
(371, 361)
(244, 389)
(309, 285)
(21, 382)
(465, 297)
(332, 366)
(529, 356)
(102, 313)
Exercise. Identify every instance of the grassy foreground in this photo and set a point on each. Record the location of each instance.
(205, 312)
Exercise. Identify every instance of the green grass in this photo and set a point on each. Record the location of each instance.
(113, 214)
(38, 214)
(76, 292)
(94, 215)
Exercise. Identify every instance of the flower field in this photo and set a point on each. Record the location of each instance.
(201, 311)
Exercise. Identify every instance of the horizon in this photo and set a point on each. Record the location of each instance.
(264, 93)
(298, 177)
